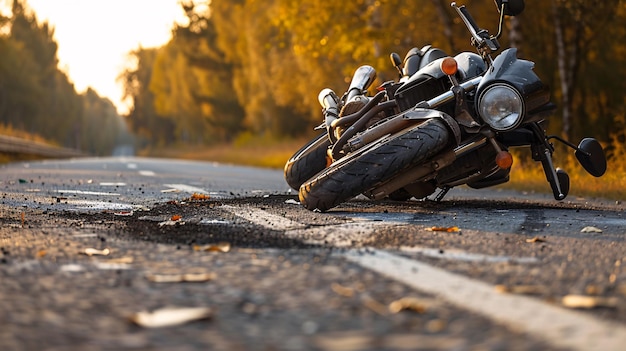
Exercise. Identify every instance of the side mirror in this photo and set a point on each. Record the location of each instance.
(591, 157)
(511, 7)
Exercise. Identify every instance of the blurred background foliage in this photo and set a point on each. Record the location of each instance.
(254, 67)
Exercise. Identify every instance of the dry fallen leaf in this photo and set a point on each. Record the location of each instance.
(536, 240)
(584, 301)
(176, 218)
(520, 289)
(41, 253)
(180, 278)
(170, 316)
(591, 230)
(407, 303)
(95, 252)
(121, 260)
(444, 229)
(219, 247)
(342, 290)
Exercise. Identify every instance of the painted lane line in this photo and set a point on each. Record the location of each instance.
(147, 173)
(557, 326)
(338, 235)
(263, 218)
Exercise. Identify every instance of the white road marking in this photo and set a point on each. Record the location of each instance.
(263, 218)
(147, 173)
(131, 165)
(557, 326)
(112, 184)
(186, 188)
(339, 235)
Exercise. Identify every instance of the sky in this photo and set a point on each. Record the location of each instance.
(95, 36)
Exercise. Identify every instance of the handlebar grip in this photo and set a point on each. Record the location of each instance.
(469, 18)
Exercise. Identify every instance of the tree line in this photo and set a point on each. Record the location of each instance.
(39, 98)
(255, 67)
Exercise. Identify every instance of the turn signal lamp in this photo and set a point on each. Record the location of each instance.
(449, 66)
(504, 159)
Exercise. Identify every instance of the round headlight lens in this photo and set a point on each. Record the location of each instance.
(501, 107)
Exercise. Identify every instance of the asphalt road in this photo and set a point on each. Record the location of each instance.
(89, 246)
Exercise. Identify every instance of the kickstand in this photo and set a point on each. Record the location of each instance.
(442, 193)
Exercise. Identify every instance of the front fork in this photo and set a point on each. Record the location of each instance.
(542, 151)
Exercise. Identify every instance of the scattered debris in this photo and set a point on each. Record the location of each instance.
(41, 253)
(536, 240)
(520, 289)
(222, 246)
(95, 252)
(199, 197)
(124, 213)
(181, 278)
(170, 191)
(584, 301)
(107, 266)
(292, 202)
(591, 230)
(454, 229)
(71, 268)
(170, 316)
(213, 221)
(171, 222)
(407, 303)
(342, 290)
(176, 218)
(121, 260)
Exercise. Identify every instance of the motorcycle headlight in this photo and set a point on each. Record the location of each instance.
(501, 107)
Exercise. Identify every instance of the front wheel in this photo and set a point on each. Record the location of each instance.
(307, 162)
(371, 165)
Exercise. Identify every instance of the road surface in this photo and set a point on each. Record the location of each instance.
(89, 246)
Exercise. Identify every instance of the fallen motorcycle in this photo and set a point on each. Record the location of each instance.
(448, 121)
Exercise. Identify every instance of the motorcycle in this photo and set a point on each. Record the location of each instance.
(448, 121)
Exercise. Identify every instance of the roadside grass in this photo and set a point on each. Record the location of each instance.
(12, 157)
(526, 175)
(248, 151)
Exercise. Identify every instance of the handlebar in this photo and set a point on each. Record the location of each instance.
(481, 38)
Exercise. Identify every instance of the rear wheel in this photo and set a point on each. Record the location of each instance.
(307, 162)
(371, 165)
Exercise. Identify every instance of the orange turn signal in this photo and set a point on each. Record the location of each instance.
(449, 66)
(504, 159)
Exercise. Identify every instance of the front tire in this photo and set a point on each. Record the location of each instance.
(307, 162)
(370, 166)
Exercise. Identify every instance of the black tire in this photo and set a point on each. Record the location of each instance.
(371, 165)
(307, 162)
